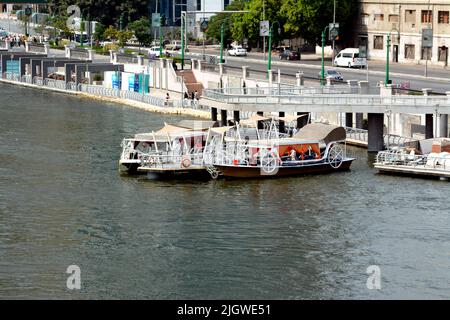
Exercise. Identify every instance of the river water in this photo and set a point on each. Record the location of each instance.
(63, 202)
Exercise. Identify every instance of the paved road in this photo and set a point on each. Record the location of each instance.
(438, 80)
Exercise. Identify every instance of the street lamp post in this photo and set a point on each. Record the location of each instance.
(269, 64)
(323, 56)
(183, 17)
(221, 42)
(388, 47)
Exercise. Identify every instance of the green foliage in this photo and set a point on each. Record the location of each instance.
(141, 29)
(216, 22)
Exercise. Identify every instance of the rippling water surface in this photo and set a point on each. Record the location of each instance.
(62, 202)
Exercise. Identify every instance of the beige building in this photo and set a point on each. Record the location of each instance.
(405, 20)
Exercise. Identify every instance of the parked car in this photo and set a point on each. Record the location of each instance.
(154, 51)
(333, 74)
(237, 51)
(173, 45)
(350, 58)
(289, 55)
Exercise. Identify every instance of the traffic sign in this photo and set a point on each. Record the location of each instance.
(264, 28)
(156, 20)
(362, 51)
(427, 38)
(204, 25)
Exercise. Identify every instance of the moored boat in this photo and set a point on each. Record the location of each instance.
(316, 148)
(430, 158)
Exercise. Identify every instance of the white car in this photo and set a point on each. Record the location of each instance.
(350, 58)
(237, 51)
(154, 51)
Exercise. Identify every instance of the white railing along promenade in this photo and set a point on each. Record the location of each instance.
(264, 97)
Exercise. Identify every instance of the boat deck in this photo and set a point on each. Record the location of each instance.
(420, 170)
(168, 168)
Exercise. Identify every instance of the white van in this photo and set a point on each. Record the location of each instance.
(349, 57)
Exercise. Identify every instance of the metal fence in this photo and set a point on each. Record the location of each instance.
(105, 92)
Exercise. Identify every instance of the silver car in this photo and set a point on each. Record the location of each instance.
(333, 74)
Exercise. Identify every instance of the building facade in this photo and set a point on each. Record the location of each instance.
(405, 21)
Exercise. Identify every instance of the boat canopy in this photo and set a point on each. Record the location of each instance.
(320, 131)
(291, 118)
(221, 130)
(197, 124)
(253, 120)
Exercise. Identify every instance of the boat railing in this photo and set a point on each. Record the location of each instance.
(402, 158)
(172, 159)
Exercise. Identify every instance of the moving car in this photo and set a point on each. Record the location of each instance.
(237, 51)
(333, 74)
(350, 58)
(289, 55)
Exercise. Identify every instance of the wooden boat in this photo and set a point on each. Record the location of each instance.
(316, 148)
(143, 148)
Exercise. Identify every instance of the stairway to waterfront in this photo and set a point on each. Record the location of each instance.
(191, 82)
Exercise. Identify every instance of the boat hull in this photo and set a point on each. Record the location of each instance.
(256, 172)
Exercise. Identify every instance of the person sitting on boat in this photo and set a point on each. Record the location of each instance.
(293, 155)
(310, 154)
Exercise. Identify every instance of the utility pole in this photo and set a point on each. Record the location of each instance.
(323, 56)
(221, 42)
(428, 49)
(334, 23)
(269, 64)
(264, 37)
(388, 47)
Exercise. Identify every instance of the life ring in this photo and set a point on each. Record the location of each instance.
(186, 162)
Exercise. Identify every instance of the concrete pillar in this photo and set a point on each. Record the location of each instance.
(429, 127)
(244, 73)
(7, 44)
(214, 114)
(67, 51)
(223, 116)
(270, 73)
(111, 56)
(444, 120)
(359, 117)
(281, 126)
(221, 69)
(200, 68)
(443, 125)
(236, 116)
(349, 120)
(27, 46)
(114, 57)
(375, 134)
(46, 48)
(140, 60)
(300, 79)
(329, 81)
(260, 125)
(90, 54)
(303, 121)
(429, 130)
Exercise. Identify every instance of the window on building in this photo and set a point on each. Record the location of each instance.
(410, 51)
(443, 53)
(426, 53)
(443, 17)
(199, 5)
(393, 18)
(410, 16)
(364, 19)
(378, 42)
(378, 17)
(427, 16)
